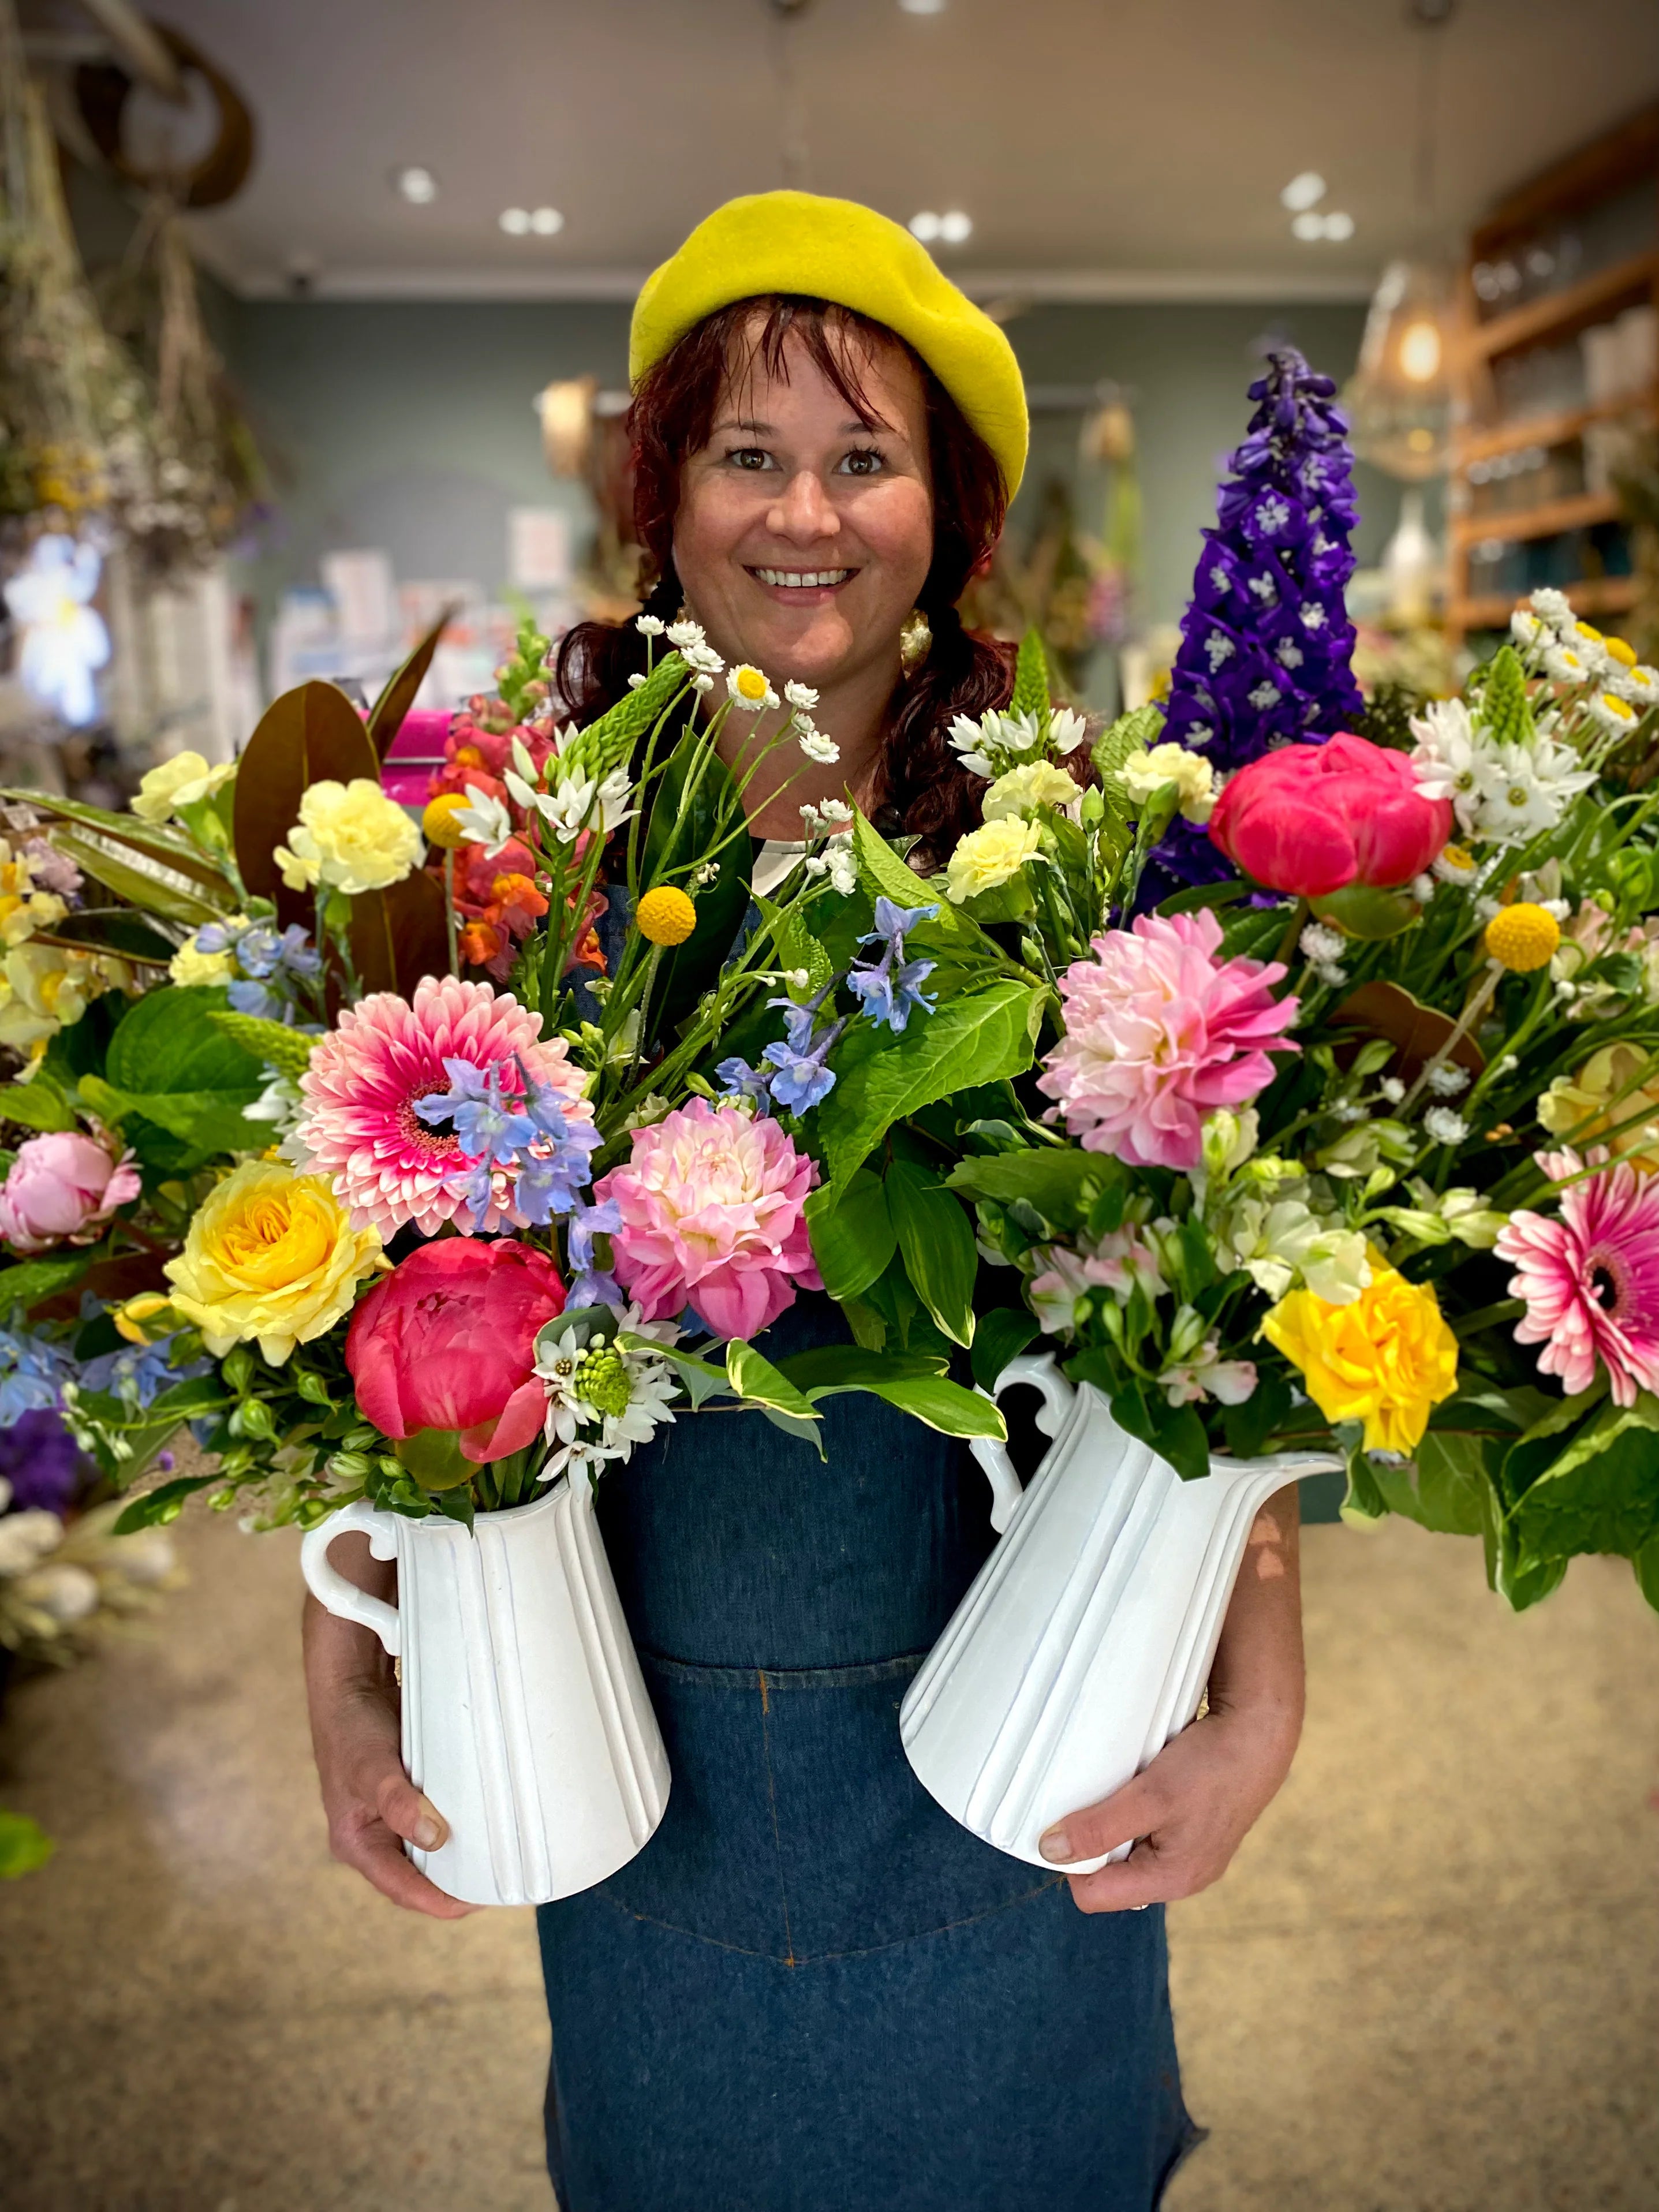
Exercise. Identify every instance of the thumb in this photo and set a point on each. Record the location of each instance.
(409, 1814)
(1128, 1814)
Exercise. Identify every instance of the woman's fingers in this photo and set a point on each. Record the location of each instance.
(366, 1835)
(1128, 1814)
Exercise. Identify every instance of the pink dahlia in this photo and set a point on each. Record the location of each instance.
(713, 1206)
(1590, 1279)
(360, 1127)
(1158, 1034)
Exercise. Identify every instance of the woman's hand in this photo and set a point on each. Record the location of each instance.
(1193, 1805)
(370, 1801)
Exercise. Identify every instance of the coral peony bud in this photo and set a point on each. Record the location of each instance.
(1310, 819)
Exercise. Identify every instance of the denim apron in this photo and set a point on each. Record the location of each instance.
(813, 1991)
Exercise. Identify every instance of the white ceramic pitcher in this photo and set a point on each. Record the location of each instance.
(526, 1718)
(1086, 1640)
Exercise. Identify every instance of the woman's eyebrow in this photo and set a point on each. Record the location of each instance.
(755, 429)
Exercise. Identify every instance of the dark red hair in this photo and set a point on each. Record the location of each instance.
(925, 791)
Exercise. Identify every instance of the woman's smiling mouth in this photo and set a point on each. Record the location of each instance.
(803, 579)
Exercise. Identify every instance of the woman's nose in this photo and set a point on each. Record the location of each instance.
(802, 513)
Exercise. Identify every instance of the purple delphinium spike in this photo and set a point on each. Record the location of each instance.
(1265, 640)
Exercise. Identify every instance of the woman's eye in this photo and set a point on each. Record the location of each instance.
(749, 457)
(863, 461)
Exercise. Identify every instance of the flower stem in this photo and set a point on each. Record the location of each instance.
(449, 908)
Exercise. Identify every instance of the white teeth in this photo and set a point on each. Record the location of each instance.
(799, 579)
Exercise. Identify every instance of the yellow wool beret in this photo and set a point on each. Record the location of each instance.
(830, 249)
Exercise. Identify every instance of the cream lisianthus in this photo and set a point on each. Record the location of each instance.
(1146, 772)
(178, 782)
(47, 987)
(989, 856)
(270, 1258)
(1616, 1085)
(350, 837)
(192, 967)
(1023, 790)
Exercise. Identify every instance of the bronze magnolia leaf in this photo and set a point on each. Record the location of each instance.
(1416, 1031)
(400, 934)
(311, 732)
(386, 715)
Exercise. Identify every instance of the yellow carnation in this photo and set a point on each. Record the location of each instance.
(1583, 1106)
(987, 857)
(271, 1257)
(350, 837)
(1023, 790)
(1386, 1360)
(178, 782)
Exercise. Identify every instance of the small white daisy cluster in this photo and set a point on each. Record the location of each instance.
(1322, 949)
(605, 1394)
(998, 742)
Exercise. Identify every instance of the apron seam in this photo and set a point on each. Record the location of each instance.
(833, 1958)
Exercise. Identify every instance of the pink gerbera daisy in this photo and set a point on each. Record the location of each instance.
(360, 1127)
(1590, 1279)
(1158, 1034)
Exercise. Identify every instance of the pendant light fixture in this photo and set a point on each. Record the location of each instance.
(1400, 402)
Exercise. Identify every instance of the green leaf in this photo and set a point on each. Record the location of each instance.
(1249, 1428)
(434, 1458)
(161, 1505)
(31, 1281)
(37, 1104)
(1032, 693)
(386, 715)
(24, 1846)
(829, 1368)
(702, 1378)
(1001, 1336)
(1060, 1182)
(979, 1037)
(938, 1245)
(1646, 1564)
(1204, 895)
(756, 1381)
(797, 948)
(938, 1403)
(853, 1234)
(694, 810)
(144, 879)
(1602, 1494)
(1175, 1433)
(1139, 731)
(169, 1041)
(1446, 1488)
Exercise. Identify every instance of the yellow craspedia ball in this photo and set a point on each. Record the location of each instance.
(439, 825)
(1523, 937)
(1387, 1359)
(666, 915)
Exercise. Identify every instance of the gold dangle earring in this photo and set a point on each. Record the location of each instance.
(915, 641)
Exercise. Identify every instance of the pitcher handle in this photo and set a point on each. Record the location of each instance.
(1034, 1367)
(330, 1587)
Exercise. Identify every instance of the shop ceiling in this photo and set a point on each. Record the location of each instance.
(1102, 149)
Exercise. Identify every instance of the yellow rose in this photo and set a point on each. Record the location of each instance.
(178, 782)
(1566, 1108)
(1387, 1359)
(1023, 790)
(1144, 773)
(987, 857)
(349, 837)
(272, 1257)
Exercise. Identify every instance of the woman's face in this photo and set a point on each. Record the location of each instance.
(803, 537)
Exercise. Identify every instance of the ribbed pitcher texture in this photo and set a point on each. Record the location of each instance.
(526, 1718)
(1085, 1641)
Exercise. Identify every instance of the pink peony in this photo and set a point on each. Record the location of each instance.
(448, 1341)
(712, 1215)
(360, 1128)
(1590, 1279)
(1158, 1035)
(62, 1185)
(1311, 819)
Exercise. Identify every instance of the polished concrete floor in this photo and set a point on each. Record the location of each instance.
(1431, 1983)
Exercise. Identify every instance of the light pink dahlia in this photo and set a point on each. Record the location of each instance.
(713, 1206)
(1591, 1278)
(1158, 1034)
(360, 1128)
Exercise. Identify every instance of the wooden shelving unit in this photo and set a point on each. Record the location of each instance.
(1569, 192)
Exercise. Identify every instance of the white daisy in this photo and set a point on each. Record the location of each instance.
(1613, 713)
(683, 634)
(1446, 1127)
(1640, 685)
(648, 625)
(1449, 1080)
(1553, 607)
(801, 694)
(749, 690)
(1526, 629)
(1567, 665)
(817, 747)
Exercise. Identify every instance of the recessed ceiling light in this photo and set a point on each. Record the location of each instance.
(955, 227)
(925, 227)
(417, 186)
(1304, 191)
(923, 7)
(546, 222)
(515, 221)
(1338, 227)
(1306, 225)
(1311, 224)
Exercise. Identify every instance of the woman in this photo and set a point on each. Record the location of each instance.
(813, 1991)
